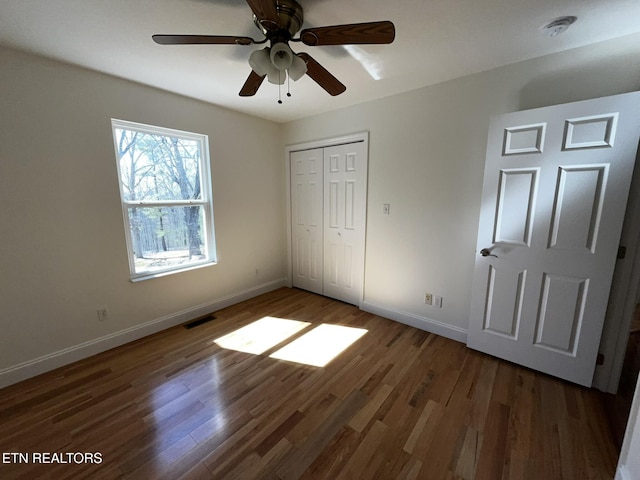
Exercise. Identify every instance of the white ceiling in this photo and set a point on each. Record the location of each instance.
(436, 40)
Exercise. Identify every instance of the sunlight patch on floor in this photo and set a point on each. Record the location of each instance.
(319, 346)
(261, 335)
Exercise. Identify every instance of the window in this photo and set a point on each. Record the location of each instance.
(165, 187)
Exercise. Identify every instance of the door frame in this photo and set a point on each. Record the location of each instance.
(323, 143)
(623, 295)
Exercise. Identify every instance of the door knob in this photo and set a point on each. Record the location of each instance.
(485, 252)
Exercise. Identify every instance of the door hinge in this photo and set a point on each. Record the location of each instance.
(622, 252)
(600, 359)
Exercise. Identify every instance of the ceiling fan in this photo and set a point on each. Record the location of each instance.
(279, 21)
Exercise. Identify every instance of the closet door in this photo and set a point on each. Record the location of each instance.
(307, 219)
(345, 180)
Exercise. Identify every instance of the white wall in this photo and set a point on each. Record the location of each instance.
(61, 228)
(427, 150)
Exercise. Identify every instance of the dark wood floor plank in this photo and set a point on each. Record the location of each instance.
(365, 460)
(491, 460)
(398, 403)
(313, 446)
(333, 458)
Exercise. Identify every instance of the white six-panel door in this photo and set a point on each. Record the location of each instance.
(345, 177)
(307, 219)
(328, 216)
(554, 195)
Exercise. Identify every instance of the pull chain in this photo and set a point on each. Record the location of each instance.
(279, 95)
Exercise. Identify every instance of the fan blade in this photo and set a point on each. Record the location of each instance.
(252, 84)
(265, 11)
(322, 76)
(351, 34)
(202, 40)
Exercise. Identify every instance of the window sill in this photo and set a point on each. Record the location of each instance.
(149, 276)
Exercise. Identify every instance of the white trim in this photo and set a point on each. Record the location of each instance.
(164, 273)
(72, 354)
(622, 473)
(632, 430)
(329, 142)
(423, 323)
(622, 299)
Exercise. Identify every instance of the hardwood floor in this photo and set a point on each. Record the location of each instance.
(399, 403)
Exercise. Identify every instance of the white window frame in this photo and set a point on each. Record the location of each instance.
(206, 202)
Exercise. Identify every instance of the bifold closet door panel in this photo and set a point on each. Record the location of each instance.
(345, 177)
(307, 219)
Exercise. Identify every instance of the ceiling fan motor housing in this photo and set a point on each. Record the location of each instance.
(290, 19)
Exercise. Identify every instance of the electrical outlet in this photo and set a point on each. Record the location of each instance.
(428, 299)
(437, 301)
(103, 314)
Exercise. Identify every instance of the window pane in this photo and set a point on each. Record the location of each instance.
(166, 237)
(165, 186)
(158, 167)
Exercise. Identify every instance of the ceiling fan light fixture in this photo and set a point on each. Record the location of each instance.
(297, 69)
(281, 56)
(277, 77)
(260, 61)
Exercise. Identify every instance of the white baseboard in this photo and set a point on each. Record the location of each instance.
(423, 323)
(46, 363)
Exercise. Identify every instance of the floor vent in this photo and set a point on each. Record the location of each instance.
(199, 321)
